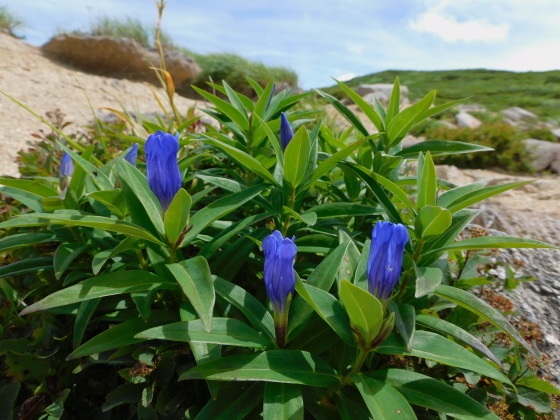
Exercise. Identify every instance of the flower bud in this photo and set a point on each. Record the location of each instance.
(164, 177)
(385, 258)
(279, 275)
(286, 132)
(132, 154)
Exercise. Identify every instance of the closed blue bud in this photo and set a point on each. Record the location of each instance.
(164, 177)
(279, 274)
(385, 258)
(132, 154)
(286, 132)
(66, 165)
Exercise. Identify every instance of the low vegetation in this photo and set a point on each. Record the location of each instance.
(538, 92)
(9, 22)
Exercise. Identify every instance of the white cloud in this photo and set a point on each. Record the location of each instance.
(345, 77)
(531, 58)
(450, 29)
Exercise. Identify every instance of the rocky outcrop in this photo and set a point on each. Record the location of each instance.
(118, 57)
(381, 91)
(517, 114)
(544, 154)
(464, 119)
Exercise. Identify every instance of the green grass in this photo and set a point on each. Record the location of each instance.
(9, 22)
(538, 92)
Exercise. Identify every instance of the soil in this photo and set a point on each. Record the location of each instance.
(44, 85)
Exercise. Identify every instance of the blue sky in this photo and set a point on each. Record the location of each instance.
(320, 39)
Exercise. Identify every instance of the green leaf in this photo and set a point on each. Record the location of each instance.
(123, 394)
(364, 106)
(346, 113)
(333, 210)
(272, 139)
(283, 366)
(219, 208)
(18, 240)
(296, 156)
(8, 395)
(433, 394)
(432, 221)
(427, 182)
(177, 216)
(102, 257)
(538, 384)
(491, 242)
(244, 159)
(225, 331)
(364, 310)
(30, 265)
(226, 108)
(441, 148)
(480, 194)
(30, 200)
(457, 332)
(196, 282)
(103, 223)
(85, 312)
(251, 307)
(383, 401)
(394, 101)
(434, 347)
(113, 199)
(143, 206)
(64, 255)
(29, 186)
(234, 402)
(99, 178)
(427, 280)
(395, 190)
(329, 163)
(282, 401)
(329, 309)
(404, 120)
(482, 309)
(100, 286)
(120, 335)
(322, 277)
(309, 218)
(405, 321)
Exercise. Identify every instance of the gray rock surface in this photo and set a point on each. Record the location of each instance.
(464, 119)
(381, 91)
(516, 114)
(545, 154)
(118, 57)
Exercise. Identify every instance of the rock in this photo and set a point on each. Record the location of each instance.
(118, 57)
(556, 132)
(465, 119)
(410, 140)
(545, 154)
(381, 91)
(517, 114)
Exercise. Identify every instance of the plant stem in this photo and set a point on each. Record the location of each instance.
(291, 203)
(356, 367)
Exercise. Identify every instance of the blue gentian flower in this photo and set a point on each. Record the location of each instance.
(286, 132)
(132, 154)
(164, 177)
(385, 258)
(279, 274)
(66, 165)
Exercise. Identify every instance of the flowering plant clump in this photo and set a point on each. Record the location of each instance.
(233, 272)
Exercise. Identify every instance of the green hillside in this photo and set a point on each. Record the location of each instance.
(538, 92)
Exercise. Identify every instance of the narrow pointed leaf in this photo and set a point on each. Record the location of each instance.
(282, 401)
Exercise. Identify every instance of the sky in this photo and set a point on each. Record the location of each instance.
(322, 39)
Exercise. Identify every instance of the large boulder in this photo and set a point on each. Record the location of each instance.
(464, 119)
(517, 114)
(118, 57)
(544, 154)
(381, 91)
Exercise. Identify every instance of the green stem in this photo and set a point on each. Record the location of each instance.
(288, 218)
(356, 367)
(281, 326)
